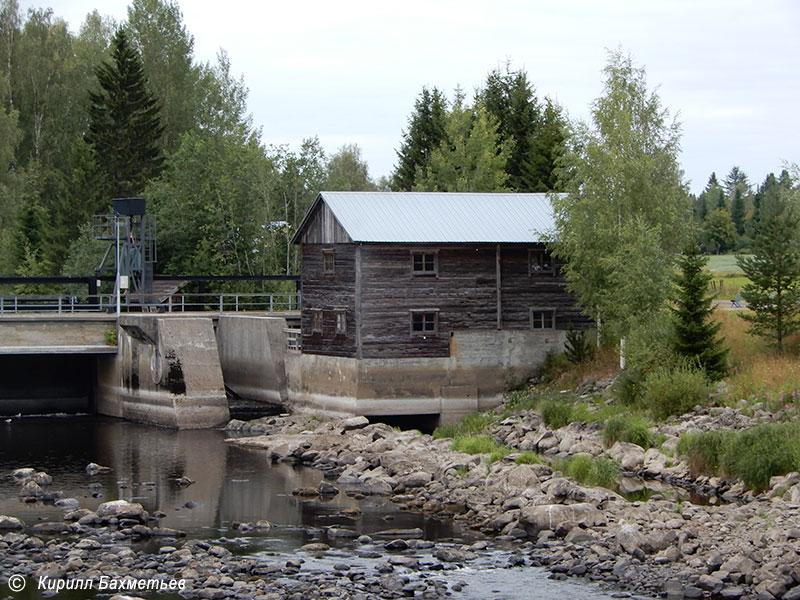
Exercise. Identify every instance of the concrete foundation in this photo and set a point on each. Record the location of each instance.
(166, 372)
(251, 353)
(481, 366)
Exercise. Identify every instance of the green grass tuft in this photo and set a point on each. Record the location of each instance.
(556, 413)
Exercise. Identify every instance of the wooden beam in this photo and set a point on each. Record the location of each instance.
(358, 301)
(499, 284)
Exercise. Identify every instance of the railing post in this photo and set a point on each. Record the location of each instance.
(236, 303)
(221, 306)
(270, 302)
(59, 305)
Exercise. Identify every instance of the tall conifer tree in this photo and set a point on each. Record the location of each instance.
(125, 126)
(696, 335)
(426, 131)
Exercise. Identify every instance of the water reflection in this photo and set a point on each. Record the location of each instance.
(230, 483)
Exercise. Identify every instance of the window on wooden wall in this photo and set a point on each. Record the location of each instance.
(543, 318)
(425, 263)
(540, 261)
(341, 321)
(316, 320)
(424, 322)
(328, 262)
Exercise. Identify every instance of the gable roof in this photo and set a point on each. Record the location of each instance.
(436, 217)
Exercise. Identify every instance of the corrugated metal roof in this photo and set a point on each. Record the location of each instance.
(428, 217)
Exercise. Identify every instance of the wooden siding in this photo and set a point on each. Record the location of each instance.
(324, 228)
(522, 290)
(328, 293)
(385, 291)
(464, 293)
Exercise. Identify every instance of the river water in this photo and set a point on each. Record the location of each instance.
(232, 484)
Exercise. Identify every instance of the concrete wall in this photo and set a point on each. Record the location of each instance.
(251, 351)
(167, 372)
(475, 376)
(38, 333)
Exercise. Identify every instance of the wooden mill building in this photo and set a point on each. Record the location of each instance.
(424, 303)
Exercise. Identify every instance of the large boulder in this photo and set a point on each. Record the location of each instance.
(122, 509)
(629, 456)
(11, 523)
(551, 516)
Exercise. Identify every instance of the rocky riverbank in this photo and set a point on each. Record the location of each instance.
(745, 547)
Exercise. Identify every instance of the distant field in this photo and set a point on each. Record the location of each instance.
(723, 263)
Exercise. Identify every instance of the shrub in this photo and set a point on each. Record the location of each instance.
(556, 413)
(703, 451)
(553, 367)
(528, 458)
(628, 428)
(753, 455)
(578, 348)
(668, 392)
(628, 387)
(593, 471)
(761, 452)
(474, 422)
(498, 453)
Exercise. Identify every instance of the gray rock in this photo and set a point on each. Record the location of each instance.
(11, 523)
(792, 594)
(709, 583)
(453, 555)
(31, 489)
(416, 479)
(23, 473)
(122, 509)
(49, 528)
(326, 488)
(354, 423)
(94, 469)
(551, 516)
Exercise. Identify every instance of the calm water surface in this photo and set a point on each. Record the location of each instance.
(231, 484)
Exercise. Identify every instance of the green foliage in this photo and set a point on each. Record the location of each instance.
(471, 159)
(553, 367)
(668, 392)
(125, 128)
(593, 471)
(556, 413)
(471, 423)
(696, 334)
(475, 444)
(426, 131)
(625, 208)
(346, 171)
(629, 388)
(627, 427)
(703, 450)
(766, 450)
(719, 231)
(110, 337)
(773, 293)
(528, 458)
(498, 454)
(650, 343)
(578, 348)
(753, 455)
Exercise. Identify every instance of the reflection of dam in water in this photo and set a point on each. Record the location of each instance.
(231, 483)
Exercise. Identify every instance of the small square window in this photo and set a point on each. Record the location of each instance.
(341, 322)
(543, 318)
(424, 322)
(539, 261)
(316, 320)
(424, 263)
(328, 262)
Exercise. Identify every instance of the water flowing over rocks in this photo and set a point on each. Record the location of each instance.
(746, 548)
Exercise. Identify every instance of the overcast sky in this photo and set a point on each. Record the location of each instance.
(349, 71)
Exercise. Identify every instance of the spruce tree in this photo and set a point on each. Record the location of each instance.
(426, 131)
(773, 269)
(696, 335)
(125, 126)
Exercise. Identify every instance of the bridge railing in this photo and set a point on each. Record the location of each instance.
(177, 303)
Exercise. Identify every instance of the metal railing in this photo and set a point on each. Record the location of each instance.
(294, 339)
(177, 303)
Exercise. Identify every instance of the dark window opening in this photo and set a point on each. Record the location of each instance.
(540, 261)
(543, 318)
(424, 263)
(328, 262)
(424, 322)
